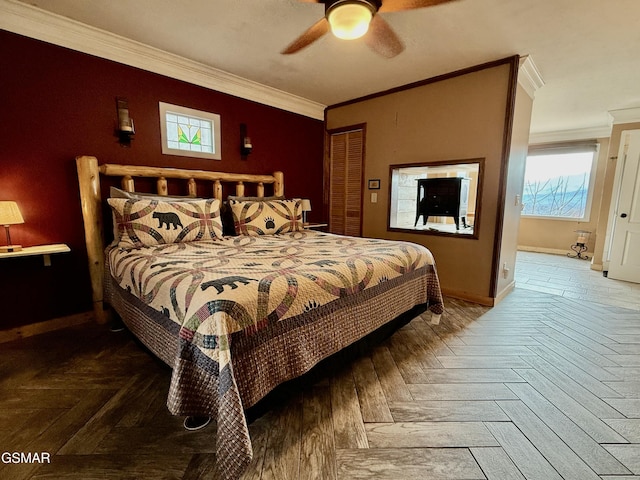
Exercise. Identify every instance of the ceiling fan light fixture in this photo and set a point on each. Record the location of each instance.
(350, 19)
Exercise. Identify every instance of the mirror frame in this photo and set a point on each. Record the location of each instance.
(440, 163)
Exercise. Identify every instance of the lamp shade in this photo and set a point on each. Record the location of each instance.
(306, 205)
(583, 236)
(10, 213)
(350, 19)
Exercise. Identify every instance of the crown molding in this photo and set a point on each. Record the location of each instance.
(569, 135)
(39, 24)
(616, 117)
(528, 75)
(625, 115)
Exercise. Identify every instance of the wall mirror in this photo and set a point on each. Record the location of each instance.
(438, 198)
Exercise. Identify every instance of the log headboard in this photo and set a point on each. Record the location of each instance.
(91, 198)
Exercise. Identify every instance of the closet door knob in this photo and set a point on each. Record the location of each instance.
(623, 215)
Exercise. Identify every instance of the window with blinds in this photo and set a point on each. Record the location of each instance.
(345, 192)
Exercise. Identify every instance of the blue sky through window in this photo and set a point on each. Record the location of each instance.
(557, 185)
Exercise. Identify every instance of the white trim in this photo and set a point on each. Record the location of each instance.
(567, 135)
(23, 19)
(528, 76)
(625, 115)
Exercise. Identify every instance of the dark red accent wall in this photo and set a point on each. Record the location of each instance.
(56, 104)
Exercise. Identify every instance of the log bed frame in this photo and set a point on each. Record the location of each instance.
(91, 199)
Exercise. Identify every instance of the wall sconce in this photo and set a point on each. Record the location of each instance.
(245, 142)
(125, 129)
(10, 215)
(581, 245)
(306, 207)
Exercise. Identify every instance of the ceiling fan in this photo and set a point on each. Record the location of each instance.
(351, 19)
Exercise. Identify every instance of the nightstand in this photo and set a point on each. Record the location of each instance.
(44, 250)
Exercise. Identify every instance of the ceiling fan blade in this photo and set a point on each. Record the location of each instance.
(399, 5)
(382, 39)
(312, 34)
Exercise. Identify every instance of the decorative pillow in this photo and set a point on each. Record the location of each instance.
(228, 224)
(144, 223)
(267, 217)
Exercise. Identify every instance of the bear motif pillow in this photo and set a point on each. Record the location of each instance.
(145, 223)
(267, 217)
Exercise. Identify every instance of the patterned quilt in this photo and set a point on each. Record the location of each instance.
(237, 316)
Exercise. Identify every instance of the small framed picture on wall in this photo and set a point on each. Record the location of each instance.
(374, 184)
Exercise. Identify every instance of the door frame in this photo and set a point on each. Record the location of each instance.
(615, 198)
(326, 169)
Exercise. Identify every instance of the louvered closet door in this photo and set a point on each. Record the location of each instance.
(345, 196)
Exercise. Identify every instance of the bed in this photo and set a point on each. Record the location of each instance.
(236, 316)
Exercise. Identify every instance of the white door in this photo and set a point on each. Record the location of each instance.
(625, 243)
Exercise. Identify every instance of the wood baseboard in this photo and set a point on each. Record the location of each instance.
(470, 297)
(505, 291)
(44, 327)
(552, 251)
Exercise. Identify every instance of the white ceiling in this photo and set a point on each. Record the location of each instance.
(586, 51)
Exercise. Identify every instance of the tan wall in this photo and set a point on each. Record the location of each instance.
(557, 236)
(462, 117)
(515, 180)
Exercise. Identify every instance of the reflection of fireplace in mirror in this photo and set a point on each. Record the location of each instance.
(443, 197)
(438, 198)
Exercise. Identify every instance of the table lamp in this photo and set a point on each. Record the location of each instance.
(10, 215)
(306, 207)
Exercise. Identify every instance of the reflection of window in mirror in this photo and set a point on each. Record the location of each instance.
(437, 197)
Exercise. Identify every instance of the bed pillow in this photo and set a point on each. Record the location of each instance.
(268, 217)
(236, 198)
(115, 192)
(145, 223)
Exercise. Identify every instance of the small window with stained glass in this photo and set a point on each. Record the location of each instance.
(189, 132)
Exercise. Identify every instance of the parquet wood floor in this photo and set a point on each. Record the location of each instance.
(540, 387)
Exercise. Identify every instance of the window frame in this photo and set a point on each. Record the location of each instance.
(592, 147)
(214, 118)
